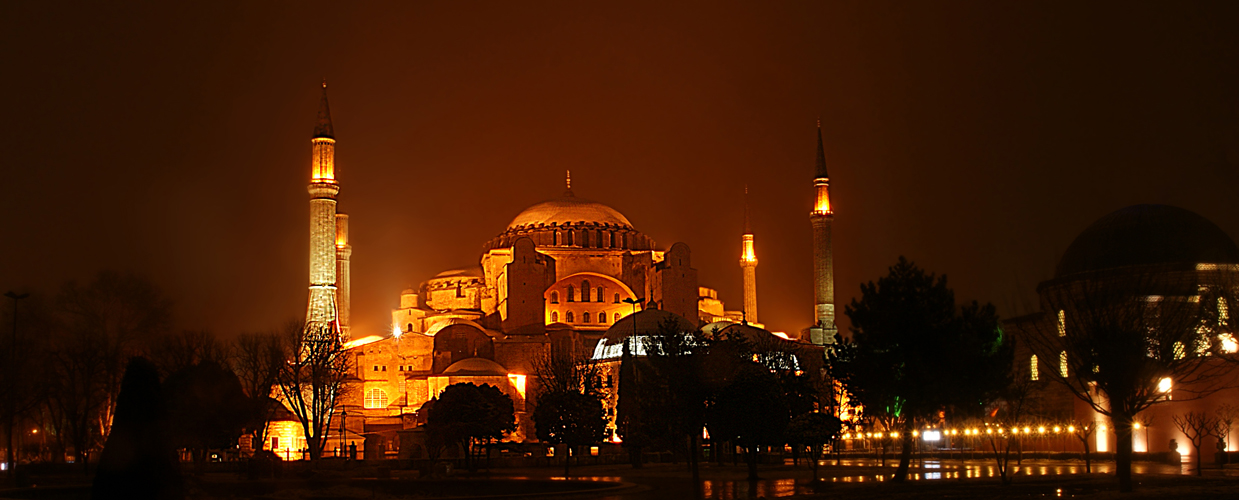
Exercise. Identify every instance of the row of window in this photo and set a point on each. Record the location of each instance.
(585, 294)
(612, 240)
(376, 398)
(569, 317)
(1035, 369)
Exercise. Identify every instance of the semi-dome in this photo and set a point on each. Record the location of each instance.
(569, 209)
(475, 367)
(1147, 235)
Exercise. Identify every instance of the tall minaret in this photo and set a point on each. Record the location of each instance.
(321, 312)
(822, 217)
(344, 250)
(748, 264)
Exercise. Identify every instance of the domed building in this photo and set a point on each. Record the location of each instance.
(558, 278)
(1158, 254)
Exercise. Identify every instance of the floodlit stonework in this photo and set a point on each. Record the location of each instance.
(822, 218)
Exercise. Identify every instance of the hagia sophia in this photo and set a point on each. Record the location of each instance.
(562, 277)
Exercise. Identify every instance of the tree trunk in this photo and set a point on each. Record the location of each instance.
(1122, 452)
(1198, 463)
(814, 453)
(567, 459)
(1088, 466)
(750, 456)
(694, 460)
(905, 457)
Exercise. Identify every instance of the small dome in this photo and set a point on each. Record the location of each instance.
(1145, 235)
(648, 322)
(569, 209)
(475, 367)
(721, 329)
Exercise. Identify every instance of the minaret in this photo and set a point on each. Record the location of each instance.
(748, 264)
(822, 217)
(321, 312)
(344, 250)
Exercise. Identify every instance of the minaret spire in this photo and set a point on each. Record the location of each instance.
(568, 182)
(748, 265)
(323, 128)
(820, 172)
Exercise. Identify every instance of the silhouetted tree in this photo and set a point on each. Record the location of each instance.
(913, 353)
(1121, 333)
(569, 409)
(312, 379)
(814, 430)
(175, 352)
(257, 362)
(1195, 425)
(750, 412)
(138, 461)
(209, 408)
(673, 393)
(468, 414)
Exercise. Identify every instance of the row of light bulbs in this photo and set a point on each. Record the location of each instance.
(1057, 429)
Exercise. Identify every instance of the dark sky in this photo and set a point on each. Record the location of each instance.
(976, 138)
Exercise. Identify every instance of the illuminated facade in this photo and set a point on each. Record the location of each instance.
(822, 219)
(748, 264)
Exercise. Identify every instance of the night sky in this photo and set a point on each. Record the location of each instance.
(975, 138)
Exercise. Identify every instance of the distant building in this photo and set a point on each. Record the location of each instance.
(1167, 244)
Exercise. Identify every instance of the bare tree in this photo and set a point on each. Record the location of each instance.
(312, 379)
(171, 353)
(1124, 338)
(1195, 425)
(1084, 431)
(257, 363)
(1226, 415)
(1012, 407)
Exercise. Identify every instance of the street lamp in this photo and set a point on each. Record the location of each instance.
(633, 302)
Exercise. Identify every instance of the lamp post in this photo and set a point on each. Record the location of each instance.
(11, 410)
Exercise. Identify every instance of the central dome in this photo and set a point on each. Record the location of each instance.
(569, 209)
(1148, 234)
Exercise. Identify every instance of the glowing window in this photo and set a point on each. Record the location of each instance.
(1035, 371)
(600, 299)
(554, 297)
(585, 291)
(1229, 345)
(585, 317)
(376, 398)
(617, 299)
(571, 293)
(1062, 364)
(615, 318)
(1223, 312)
(602, 317)
(1180, 351)
(1062, 323)
(554, 317)
(568, 317)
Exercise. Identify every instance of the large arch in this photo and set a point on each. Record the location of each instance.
(601, 308)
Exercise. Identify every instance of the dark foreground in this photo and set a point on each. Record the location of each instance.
(851, 480)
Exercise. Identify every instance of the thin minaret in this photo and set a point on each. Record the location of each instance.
(344, 250)
(822, 217)
(748, 264)
(321, 314)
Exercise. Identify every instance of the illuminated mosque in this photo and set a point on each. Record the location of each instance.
(561, 277)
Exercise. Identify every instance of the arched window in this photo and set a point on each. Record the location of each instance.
(1034, 370)
(376, 398)
(615, 318)
(556, 243)
(569, 317)
(1062, 364)
(617, 300)
(600, 299)
(554, 297)
(584, 238)
(569, 236)
(1062, 323)
(554, 317)
(585, 291)
(585, 317)
(599, 240)
(571, 294)
(602, 317)
(408, 327)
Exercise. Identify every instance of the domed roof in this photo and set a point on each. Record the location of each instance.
(1144, 235)
(648, 322)
(475, 366)
(569, 208)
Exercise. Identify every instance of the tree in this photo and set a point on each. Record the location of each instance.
(1010, 408)
(673, 393)
(813, 429)
(1195, 425)
(257, 363)
(139, 460)
(913, 353)
(1226, 415)
(312, 379)
(173, 353)
(569, 409)
(467, 414)
(1126, 337)
(1084, 432)
(750, 412)
(209, 408)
